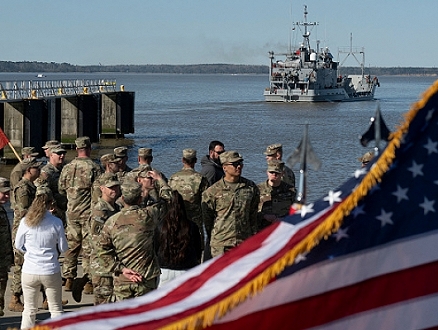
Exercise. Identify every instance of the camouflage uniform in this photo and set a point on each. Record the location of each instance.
(102, 283)
(289, 177)
(96, 193)
(275, 200)
(16, 175)
(50, 176)
(276, 151)
(230, 213)
(6, 243)
(24, 194)
(75, 182)
(126, 240)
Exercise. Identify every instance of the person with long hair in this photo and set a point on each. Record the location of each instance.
(41, 237)
(177, 241)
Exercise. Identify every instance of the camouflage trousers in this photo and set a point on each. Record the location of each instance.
(16, 274)
(78, 238)
(218, 250)
(125, 290)
(3, 282)
(102, 289)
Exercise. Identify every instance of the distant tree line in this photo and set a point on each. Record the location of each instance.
(7, 66)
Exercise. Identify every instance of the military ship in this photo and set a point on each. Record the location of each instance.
(309, 75)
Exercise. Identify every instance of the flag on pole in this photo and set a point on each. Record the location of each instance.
(3, 139)
(377, 130)
(363, 257)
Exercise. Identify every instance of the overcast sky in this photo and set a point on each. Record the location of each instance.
(393, 33)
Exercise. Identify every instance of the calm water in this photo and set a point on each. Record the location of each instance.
(174, 112)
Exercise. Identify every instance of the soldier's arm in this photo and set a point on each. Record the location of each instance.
(208, 212)
(254, 214)
(107, 256)
(62, 184)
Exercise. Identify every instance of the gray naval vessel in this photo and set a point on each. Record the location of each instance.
(309, 75)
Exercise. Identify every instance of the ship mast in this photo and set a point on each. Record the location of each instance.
(306, 34)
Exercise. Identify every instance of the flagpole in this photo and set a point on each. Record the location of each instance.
(377, 135)
(15, 151)
(301, 196)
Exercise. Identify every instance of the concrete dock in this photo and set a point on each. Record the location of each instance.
(12, 320)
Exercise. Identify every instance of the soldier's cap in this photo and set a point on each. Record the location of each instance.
(44, 190)
(29, 151)
(273, 149)
(109, 158)
(367, 157)
(189, 153)
(230, 157)
(83, 142)
(121, 152)
(5, 185)
(51, 143)
(276, 166)
(144, 172)
(109, 180)
(57, 150)
(33, 164)
(145, 152)
(131, 190)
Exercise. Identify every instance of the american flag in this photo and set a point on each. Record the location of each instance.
(363, 257)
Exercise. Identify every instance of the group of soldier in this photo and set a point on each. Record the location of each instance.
(111, 211)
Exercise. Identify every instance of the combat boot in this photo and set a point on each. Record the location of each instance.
(88, 289)
(68, 284)
(15, 305)
(78, 286)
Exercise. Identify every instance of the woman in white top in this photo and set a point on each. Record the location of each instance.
(41, 238)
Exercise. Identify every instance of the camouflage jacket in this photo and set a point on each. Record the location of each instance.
(50, 175)
(24, 194)
(190, 184)
(127, 240)
(6, 243)
(230, 215)
(289, 177)
(76, 181)
(121, 175)
(275, 200)
(100, 213)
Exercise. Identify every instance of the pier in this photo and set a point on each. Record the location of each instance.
(33, 112)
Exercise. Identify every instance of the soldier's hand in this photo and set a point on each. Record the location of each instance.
(155, 175)
(132, 275)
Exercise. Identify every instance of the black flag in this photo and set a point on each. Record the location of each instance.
(377, 131)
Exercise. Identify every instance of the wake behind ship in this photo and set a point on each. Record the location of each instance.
(307, 75)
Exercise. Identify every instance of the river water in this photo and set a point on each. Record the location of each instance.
(173, 112)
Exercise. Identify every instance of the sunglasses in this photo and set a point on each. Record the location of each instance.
(219, 152)
(235, 164)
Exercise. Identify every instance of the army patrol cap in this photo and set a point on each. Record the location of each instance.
(121, 152)
(5, 185)
(273, 149)
(230, 157)
(57, 150)
(131, 190)
(189, 153)
(144, 172)
(83, 142)
(145, 152)
(33, 164)
(29, 151)
(367, 157)
(50, 144)
(276, 166)
(109, 158)
(44, 190)
(109, 180)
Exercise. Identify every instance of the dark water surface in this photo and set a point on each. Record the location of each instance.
(173, 112)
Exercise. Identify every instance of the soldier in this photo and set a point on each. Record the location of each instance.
(5, 242)
(126, 246)
(104, 208)
(190, 184)
(276, 196)
(366, 158)
(154, 189)
(24, 194)
(29, 155)
(50, 144)
(144, 160)
(122, 154)
(211, 166)
(76, 181)
(111, 164)
(50, 176)
(230, 206)
(275, 151)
